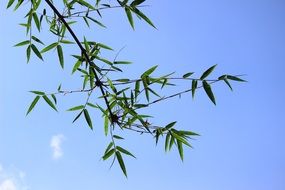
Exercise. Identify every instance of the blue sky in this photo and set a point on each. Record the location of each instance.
(242, 138)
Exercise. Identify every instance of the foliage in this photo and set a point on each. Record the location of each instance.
(124, 98)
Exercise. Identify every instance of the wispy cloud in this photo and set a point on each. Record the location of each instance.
(8, 184)
(55, 144)
(12, 179)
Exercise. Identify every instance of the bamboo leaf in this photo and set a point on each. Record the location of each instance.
(76, 65)
(170, 125)
(34, 102)
(37, 21)
(38, 92)
(130, 17)
(122, 150)
(36, 51)
(194, 87)
(180, 149)
(60, 55)
(187, 75)
(49, 102)
(121, 162)
(10, 3)
(143, 16)
(149, 71)
(80, 107)
(136, 3)
(106, 125)
(167, 141)
(87, 118)
(49, 47)
(108, 154)
(209, 92)
(26, 42)
(230, 77)
(207, 72)
(77, 116)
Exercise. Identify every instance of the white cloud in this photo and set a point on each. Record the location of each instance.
(12, 179)
(8, 184)
(55, 145)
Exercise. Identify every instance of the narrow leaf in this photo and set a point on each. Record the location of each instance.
(209, 92)
(34, 102)
(60, 55)
(207, 72)
(122, 150)
(87, 118)
(76, 108)
(49, 102)
(130, 17)
(121, 162)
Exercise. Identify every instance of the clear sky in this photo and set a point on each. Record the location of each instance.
(242, 138)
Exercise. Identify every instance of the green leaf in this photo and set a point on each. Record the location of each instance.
(36, 51)
(34, 102)
(180, 149)
(137, 88)
(87, 118)
(122, 62)
(118, 137)
(149, 71)
(228, 83)
(180, 138)
(194, 87)
(167, 140)
(209, 92)
(38, 92)
(106, 125)
(60, 55)
(49, 47)
(54, 98)
(28, 52)
(96, 21)
(136, 3)
(76, 66)
(77, 116)
(170, 125)
(121, 162)
(187, 75)
(230, 77)
(124, 151)
(104, 46)
(37, 40)
(10, 3)
(130, 17)
(76, 108)
(49, 102)
(108, 154)
(111, 144)
(207, 72)
(143, 16)
(84, 3)
(37, 21)
(26, 42)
